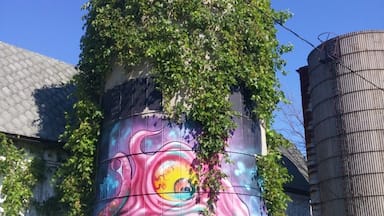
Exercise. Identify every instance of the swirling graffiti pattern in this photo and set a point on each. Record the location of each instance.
(161, 181)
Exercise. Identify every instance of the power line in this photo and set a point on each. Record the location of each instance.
(294, 33)
(333, 58)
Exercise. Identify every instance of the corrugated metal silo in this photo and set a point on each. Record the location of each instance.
(346, 91)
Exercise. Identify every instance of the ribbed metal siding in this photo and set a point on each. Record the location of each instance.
(348, 123)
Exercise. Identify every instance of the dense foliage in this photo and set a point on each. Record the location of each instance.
(199, 51)
(75, 177)
(17, 178)
(274, 175)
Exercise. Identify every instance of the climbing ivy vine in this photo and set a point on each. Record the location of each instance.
(17, 178)
(75, 177)
(274, 175)
(199, 51)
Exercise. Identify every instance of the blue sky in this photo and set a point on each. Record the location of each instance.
(311, 19)
(54, 28)
(49, 27)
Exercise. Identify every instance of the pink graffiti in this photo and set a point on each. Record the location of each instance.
(137, 176)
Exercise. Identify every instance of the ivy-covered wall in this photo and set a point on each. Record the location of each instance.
(27, 168)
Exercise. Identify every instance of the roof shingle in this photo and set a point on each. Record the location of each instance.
(34, 93)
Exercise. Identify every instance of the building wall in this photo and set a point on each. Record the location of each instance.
(51, 156)
(299, 206)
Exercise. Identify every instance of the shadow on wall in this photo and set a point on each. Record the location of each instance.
(52, 103)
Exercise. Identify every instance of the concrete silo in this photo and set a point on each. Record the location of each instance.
(343, 103)
(145, 161)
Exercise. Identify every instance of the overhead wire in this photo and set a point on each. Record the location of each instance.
(281, 24)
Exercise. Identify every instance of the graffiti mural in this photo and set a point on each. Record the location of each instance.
(145, 169)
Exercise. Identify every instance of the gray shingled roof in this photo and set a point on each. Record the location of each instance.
(33, 93)
(294, 155)
(297, 167)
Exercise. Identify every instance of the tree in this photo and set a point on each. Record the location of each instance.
(290, 123)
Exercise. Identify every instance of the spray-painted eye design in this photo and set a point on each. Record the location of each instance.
(172, 180)
(184, 186)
